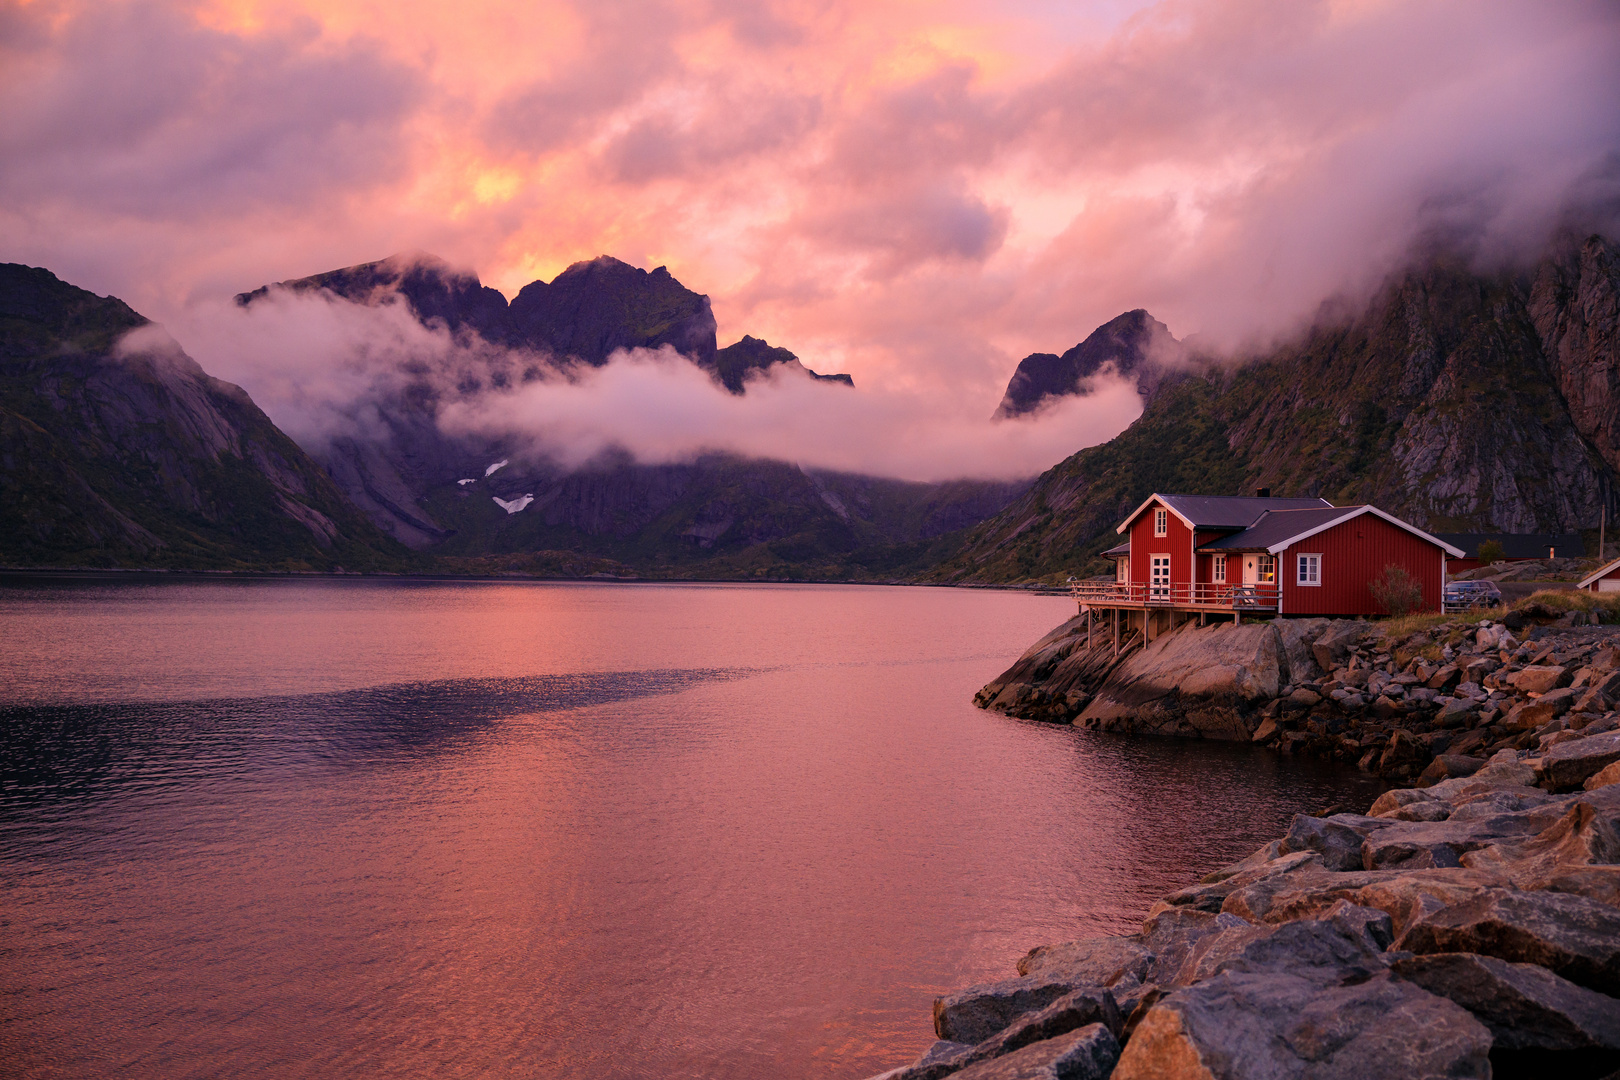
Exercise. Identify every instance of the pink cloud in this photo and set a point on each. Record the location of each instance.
(917, 194)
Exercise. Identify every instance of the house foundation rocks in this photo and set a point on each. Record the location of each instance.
(1465, 929)
(1425, 706)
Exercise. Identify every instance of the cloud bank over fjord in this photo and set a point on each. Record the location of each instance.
(326, 369)
(916, 194)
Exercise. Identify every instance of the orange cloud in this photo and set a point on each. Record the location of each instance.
(918, 193)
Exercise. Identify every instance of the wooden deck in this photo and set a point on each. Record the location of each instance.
(1202, 598)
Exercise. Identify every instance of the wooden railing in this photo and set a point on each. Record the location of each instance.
(1260, 597)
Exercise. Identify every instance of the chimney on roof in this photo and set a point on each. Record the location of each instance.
(1262, 493)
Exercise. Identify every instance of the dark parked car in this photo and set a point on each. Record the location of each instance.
(1462, 595)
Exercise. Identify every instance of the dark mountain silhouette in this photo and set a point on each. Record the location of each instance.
(119, 451)
(1134, 345)
(735, 363)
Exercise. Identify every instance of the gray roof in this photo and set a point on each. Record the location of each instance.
(1277, 526)
(1233, 511)
(1118, 550)
(1520, 545)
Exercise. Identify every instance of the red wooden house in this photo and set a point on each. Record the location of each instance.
(1603, 579)
(1203, 554)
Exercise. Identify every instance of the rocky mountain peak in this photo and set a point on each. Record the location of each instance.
(734, 363)
(435, 291)
(1133, 344)
(594, 308)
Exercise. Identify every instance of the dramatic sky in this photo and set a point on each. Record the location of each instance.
(916, 193)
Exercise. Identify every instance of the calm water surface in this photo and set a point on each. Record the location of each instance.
(323, 828)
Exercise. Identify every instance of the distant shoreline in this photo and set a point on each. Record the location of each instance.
(282, 575)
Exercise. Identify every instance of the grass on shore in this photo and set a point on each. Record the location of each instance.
(1607, 606)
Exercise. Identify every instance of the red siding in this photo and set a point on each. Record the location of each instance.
(1354, 555)
(1610, 576)
(1177, 544)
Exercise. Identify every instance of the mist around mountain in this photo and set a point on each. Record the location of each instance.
(1134, 345)
(117, 450)
(1460, 401)
(482, 502)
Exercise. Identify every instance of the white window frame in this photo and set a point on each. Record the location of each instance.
(1265, 569)
(1156, 590)
(1217, 569)
(1122, 569)
(1308, 569)
(1161, 522)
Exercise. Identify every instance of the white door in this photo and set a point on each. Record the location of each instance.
(1251, 569)
(1160, 579)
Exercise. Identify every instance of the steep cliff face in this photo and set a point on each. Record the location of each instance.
(1458, 401)
(1575, 307)
(119, 450)
(1135, 346)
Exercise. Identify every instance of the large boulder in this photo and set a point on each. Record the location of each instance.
(975, 1014)
(1087, 1054)
(1570, 935)
(1334, 643)
(1203, 679)
(1296, 637)
(1102, 961)
(1540, 678)
(1337, 839)
(1567, 766)
(1526, 1007)
(1282, 1025)
(1173, 934)
(1582, 837)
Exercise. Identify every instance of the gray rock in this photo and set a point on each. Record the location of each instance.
(1337, 839)
(1068, 1013)
(1582, 837)
(1407, 896)
(1088, 1054)
(1570, 935)
(1211, 897)
(1296, 637)
(1204, 678)
(1566, 766)
(1393, 800)
(1327, 949)
(975, 1014)
(1333, 644)
(943, 1050)
(1525, 1006)
(1609, 774)
(1276, 1025)
(1173, 934)
(1456, 712)
(1422, 811)
(1259, 858)
(1539, 678)
(1417, 845)
(1102, 961)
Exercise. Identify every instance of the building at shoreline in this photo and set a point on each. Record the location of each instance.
(1199, 556)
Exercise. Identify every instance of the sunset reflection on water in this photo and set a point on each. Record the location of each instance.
(309, 828)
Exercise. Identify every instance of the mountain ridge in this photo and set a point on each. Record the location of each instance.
(1457, 400)
(120, 453)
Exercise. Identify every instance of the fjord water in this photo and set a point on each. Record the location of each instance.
(299, 828)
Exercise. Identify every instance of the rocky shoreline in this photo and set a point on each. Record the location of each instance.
(1468, 926)
(1428, 704)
